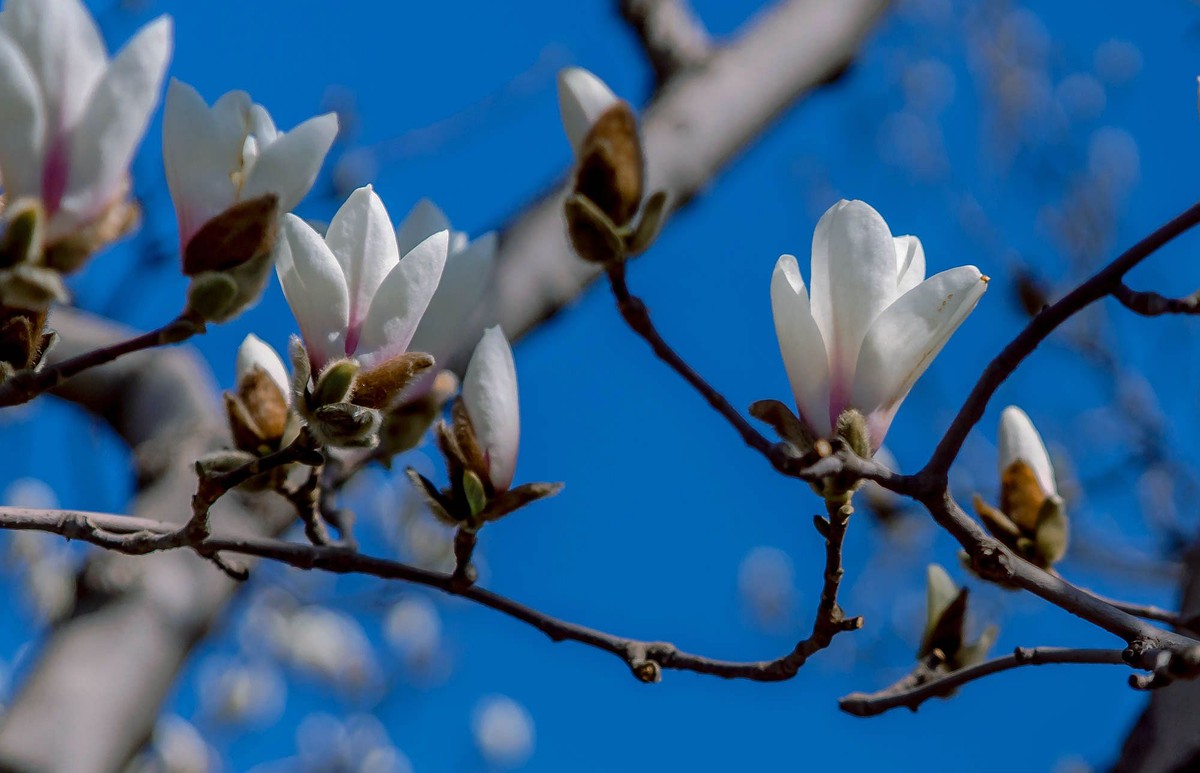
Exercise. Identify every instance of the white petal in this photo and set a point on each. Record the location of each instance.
(255, 351)
(288, 165)
(201, 151)
(582, 98)
(853, 280)
(315, 288)
(262, 126)
(400, 301)
(940, 592)
(910, 263)
(456, 301)
(801, 345)
(489, 393)
(906, 337)
(361, 238)
(422, 221)
(112, 124)
(1019, 439)
(65, 51)
(23, 118)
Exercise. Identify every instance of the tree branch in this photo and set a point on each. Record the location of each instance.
(925, 683)
(674, 38)
(1150, 304)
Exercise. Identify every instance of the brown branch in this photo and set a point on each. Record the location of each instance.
(24, 385)
(644, 658)
(926, 683)
(1151, 304)
(675, 40)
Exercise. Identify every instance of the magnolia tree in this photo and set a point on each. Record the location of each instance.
(396, 342)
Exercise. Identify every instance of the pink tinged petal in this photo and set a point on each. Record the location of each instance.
(400, 301)
(801, 345)
(288, 164)
(1019, 439)
(489, 393)
(24, 123)
(103, 144)
(853, 280)
(910, 263)
(65, 51)
(256, 352)
(360, 237)
(423, 220)
(456, 301)
(906, 337)
(201, 151)
(582, 98)
(315, 288)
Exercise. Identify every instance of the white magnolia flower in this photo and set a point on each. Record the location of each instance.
(1020, 441)
(351, 292)
(873, 322)
(468, 268)
(489, 394)
(72, 118)
(219, 156)
(582, 98)
(256, 352)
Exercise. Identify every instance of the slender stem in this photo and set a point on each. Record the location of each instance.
(25, 385)
(926, 683)
(1151, 304)
(1102, 283)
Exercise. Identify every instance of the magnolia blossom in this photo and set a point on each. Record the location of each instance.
(582, 98)
(257, 353)
(351, 292)
(468, 268)
(219, 156)
(873, 322)
(1020, 441)
(72, 118)
(489, 394)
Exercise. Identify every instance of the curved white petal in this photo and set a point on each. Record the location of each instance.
(1019, 439)
(401, 299)
(23, 119)
(422, 221)
(262, 126)
(910, 263)
(582, 98)
(361, 238)
(314, 287)
(906, 337)
(109, 130)
(255, 351)
(940, 592)
(288, 163)
(853, 280)
(454, 304)
(65, 51)
(801, 345)
(489, 393)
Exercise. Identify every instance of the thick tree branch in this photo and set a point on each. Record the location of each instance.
(926, 683)
(674, 38)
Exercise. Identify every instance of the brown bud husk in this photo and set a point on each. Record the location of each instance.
(22, 338)
(245, 231)
(380, 386)
(118, 219)
(594, 237)
(1021, 495)
(258, 412)
(610, 172)
(515, 498)
(1030, 521)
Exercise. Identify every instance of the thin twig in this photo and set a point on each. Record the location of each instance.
(1151, 304)
(924, 683)
(25, 385)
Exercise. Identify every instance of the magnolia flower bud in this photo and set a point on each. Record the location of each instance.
(872, 324)
(945, 620)
(259, 407)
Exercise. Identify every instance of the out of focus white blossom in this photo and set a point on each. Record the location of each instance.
(503, 730)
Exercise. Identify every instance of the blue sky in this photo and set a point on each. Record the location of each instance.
(662, 501)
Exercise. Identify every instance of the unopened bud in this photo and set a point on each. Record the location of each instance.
(381, 385)
(245, 231)
(852, 427)
(345, 425)
(21, 241)
(336, 383)
(210, 296)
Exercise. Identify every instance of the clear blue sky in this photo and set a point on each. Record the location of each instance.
(662, 501)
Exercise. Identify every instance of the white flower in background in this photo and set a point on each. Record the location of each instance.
(504, 731)
(873, 322)
(230, 153)
(468, 269)
(72, 118)
(582, 98)
(1020, 442)
(489, 395)
(351, 292)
